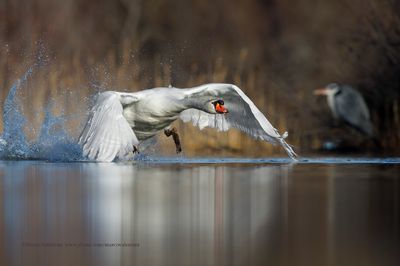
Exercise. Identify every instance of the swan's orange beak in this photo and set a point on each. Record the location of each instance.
(220, 108)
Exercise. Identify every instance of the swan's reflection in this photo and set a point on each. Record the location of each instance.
(196, 215)
(200, 212)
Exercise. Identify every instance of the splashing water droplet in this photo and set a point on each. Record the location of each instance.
(53, 144)
(14, 143)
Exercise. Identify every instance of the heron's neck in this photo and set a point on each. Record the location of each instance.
(331, 104)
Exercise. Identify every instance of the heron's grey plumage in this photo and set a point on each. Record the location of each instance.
(347, 104)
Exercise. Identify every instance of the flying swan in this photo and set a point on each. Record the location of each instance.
(119, 121)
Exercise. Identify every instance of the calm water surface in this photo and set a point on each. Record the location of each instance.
(200, 213)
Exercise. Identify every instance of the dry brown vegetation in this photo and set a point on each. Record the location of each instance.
(276, 51)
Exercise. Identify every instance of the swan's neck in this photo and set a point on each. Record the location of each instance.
(198, 102)
(194, 103)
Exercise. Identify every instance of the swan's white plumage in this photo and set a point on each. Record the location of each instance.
(107, 135)
(118, 121)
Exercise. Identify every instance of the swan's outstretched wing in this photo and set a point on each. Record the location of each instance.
(107, 134)
(243, 114)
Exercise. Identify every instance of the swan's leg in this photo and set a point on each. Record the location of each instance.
(175, 136)
(135, 150)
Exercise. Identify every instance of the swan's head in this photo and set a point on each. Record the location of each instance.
(207, 104)
(218, 107)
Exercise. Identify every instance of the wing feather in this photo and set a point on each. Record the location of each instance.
(107, 134)
(243, 115)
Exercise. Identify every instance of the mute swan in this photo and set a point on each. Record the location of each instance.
(119, 121)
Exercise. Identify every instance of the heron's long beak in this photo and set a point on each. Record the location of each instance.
(321, 91)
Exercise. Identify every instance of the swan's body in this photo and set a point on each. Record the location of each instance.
(119, 121)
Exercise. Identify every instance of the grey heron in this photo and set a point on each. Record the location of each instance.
(348, 105)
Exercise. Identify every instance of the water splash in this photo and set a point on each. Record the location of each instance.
(53, 144)
(13, 142)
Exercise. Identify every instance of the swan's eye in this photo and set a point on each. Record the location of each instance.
(220, 102)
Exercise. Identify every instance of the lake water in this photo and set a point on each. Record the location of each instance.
(174, 211)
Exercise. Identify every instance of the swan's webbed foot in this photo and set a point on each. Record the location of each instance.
(175, 136)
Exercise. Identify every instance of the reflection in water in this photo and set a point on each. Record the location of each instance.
(126, 214)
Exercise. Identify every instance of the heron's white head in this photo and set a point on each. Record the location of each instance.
(329, 90)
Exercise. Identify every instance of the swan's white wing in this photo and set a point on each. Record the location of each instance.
(107, 134)
(243, 115)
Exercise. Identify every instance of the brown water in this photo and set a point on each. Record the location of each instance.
(199, 214)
